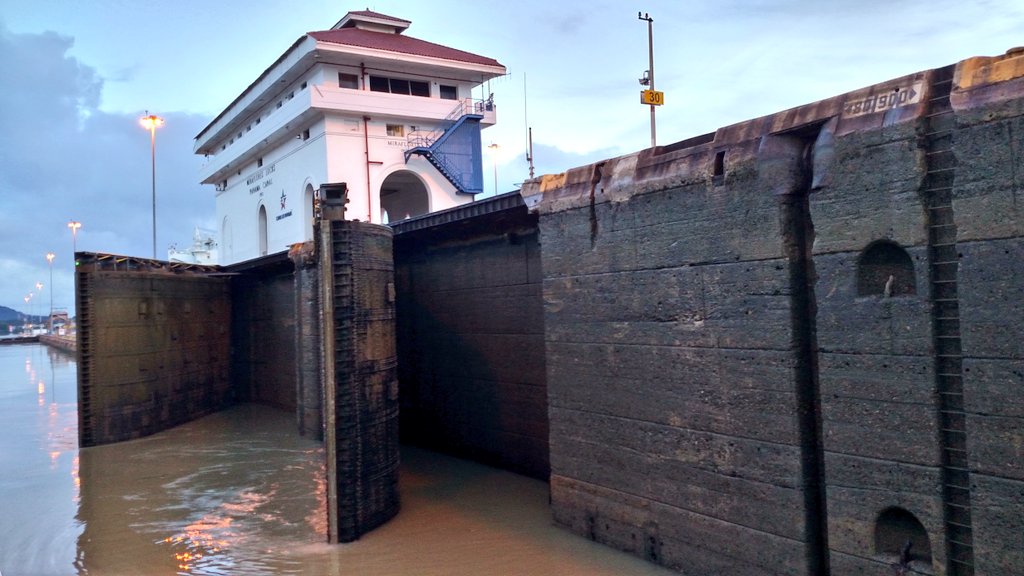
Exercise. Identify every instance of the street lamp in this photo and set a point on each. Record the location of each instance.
(39, 288)
(74, 235)
(151, 122)
(494, 156)
(49, 260)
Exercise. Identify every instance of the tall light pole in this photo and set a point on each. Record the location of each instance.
(151, 122)
(650, 69)
(74, 235)
(49, 260)
(39, 287)
(494, 157)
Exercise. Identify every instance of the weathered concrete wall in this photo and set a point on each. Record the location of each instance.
(263, 327)
(308, 345)
(791, 346)
(64, 344)
(989, 146)
(471, 336)
(877, 371)
(153, 344)
(671, 361)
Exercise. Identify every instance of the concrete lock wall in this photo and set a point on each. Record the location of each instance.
(989, 105)
(471, 335)
(790, 346)
(154, 346)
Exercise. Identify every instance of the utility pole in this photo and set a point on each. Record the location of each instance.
(650, 70)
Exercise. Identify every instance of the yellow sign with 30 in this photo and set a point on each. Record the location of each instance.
(652, 97)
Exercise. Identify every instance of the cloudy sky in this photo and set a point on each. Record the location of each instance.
(77, 75)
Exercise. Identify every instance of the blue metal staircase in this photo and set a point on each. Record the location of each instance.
(455, 150)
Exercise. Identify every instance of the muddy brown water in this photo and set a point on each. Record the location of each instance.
(239, 492)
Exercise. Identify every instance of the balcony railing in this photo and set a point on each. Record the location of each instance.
(424, 138)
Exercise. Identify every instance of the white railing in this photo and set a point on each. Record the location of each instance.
(424, 138)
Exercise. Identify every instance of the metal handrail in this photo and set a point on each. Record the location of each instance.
(425, 138)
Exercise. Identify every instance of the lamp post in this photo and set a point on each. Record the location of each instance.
(494, 157)
(74, 235)
(650, 69)
(49, 260)
(151, 122)
(39, 288)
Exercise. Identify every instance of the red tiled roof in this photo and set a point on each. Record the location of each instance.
(372, 14)
(398, 43)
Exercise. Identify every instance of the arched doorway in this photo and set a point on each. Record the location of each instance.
(263, 230)
(402, 195)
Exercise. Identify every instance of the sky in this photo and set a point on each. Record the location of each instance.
(78, 74)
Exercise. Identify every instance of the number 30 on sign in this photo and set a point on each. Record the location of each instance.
(652, 97)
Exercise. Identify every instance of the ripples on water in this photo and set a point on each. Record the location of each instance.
(239, 492)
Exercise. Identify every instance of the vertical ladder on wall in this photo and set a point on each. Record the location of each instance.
(943, 269)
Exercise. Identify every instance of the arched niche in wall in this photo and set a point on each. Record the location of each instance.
(884, 268)
(263, 230)
(901, 539)
(227, 240)
(307, 213)
(403, 195)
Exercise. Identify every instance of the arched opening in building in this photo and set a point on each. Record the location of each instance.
(308, 212)
(885, 269)
(901, 539)
(263, 230)
(227, 245)
(403, 195)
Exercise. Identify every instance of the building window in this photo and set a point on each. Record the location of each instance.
(396, 130)
(348, 81)
(399, 86)
(449, 92)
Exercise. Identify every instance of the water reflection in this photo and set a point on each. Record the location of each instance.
(239, 492)
(215, 496)
(38, 455)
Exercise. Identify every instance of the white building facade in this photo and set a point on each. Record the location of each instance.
(391, 116)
